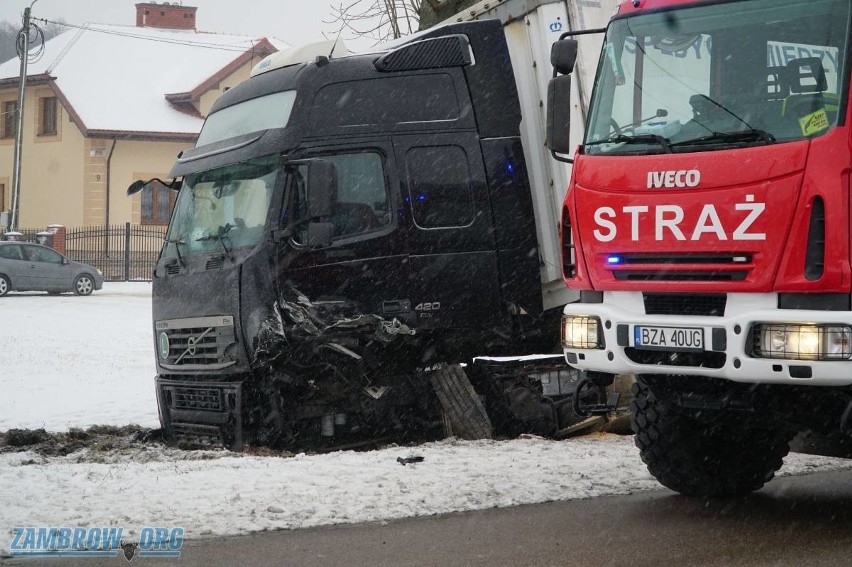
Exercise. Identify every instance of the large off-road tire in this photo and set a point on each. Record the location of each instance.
(462, 407)
(711, 454)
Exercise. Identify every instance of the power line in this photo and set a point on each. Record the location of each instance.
(200, 44)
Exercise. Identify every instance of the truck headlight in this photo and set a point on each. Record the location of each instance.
(803, 342)
(581, 332)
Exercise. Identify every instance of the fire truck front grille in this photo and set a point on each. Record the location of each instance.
(681, 267)
(685, 276)
(685, 258)
(709, 305)
(683, 359)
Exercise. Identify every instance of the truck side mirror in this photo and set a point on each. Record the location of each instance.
(559, 116)
(135, 187)
(563, 56)
(321, 188)
(138, 185)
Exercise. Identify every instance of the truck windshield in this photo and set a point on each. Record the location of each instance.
(222, 209)
(719, 76)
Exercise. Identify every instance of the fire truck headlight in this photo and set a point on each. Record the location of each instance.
(803, 342)
(581, 332)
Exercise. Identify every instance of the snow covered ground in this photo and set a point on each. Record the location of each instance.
(69, 361)
(76, 361)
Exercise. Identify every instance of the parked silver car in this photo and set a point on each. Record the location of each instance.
(33, 267)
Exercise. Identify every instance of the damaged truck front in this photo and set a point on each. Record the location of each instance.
(345, 231)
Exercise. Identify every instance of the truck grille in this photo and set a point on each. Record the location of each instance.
(198, 342)
(709, 305)
(686, 276)
(682, 267)
(684, 359)
(205, 399)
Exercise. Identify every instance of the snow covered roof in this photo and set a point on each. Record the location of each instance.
(117, 78)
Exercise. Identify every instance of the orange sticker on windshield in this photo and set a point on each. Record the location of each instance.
(813, 123)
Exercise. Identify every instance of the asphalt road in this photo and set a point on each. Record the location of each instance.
(805, 520)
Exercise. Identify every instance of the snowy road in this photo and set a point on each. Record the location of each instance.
(76, 361)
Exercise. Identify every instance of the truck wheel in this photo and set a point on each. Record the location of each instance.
(463, 409)
(720, 455)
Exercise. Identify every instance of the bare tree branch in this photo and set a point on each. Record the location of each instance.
(378, 20)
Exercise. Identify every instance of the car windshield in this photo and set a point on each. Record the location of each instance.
(718, 76)
(222, 208)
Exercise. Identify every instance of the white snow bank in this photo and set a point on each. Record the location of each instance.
(69, 361)
(220, 493)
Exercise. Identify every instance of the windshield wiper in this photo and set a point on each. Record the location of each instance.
(637, 139)
(220, 235)
(178, 243)
(752, 134)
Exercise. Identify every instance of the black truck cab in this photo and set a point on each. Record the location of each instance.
(341, 225)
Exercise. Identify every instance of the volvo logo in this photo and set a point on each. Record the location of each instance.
(192, 345)
(190, 349)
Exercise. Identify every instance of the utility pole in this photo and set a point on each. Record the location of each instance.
(24, 39)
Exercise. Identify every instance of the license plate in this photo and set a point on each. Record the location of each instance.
(669, 338)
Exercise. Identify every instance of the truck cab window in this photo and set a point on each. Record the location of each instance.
(362, 202)
(439, 186)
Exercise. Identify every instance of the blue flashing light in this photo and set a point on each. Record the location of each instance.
(421, 197)
(613, 260)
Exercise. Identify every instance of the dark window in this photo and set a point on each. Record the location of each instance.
(2, 196)
(362, 196)
(157, 204)
(389, 101)
(11, 252)
(10, 118)
(361, 203)
(439, 187)
(41, 254)
(48, 116)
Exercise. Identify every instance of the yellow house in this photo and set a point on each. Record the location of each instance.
(108, 104)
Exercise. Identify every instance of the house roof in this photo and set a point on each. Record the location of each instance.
(124, 79)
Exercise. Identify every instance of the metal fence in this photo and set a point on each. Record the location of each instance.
(122, 252)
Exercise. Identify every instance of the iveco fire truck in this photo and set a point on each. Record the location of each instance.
(707, 226)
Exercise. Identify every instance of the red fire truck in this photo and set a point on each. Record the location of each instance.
(707, 226)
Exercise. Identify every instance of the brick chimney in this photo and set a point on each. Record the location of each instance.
(166, 15)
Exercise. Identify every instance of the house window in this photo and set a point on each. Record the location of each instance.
(47, 127)
(10, 118)
(2, 196)
(157, 203)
